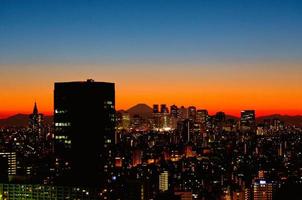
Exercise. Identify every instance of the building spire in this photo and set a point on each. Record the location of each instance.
(35, 109)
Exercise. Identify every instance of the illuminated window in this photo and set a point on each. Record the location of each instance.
(60, 137)
(63, 124)
(57, 111)
(67, 141)
(108, 102)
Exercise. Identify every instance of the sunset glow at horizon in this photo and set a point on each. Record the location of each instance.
(230, 89)
(215, 55)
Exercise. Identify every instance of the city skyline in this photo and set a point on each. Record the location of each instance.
(89, 151)
(47, 104)
(151, 100)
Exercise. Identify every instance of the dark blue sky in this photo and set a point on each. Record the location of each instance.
(168, 31)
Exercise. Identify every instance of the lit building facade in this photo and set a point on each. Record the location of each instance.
(11, 159)
(248, 118)
(46, 192)
(163, 181)
(262, 190)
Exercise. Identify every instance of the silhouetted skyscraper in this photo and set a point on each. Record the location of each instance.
(248, 118)
(192, 112)
(155, 108)
(163, 108)
(202, 117)
(36, 121)
(174, 111)
(84, 118)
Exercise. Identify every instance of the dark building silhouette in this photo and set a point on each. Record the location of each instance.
(36, 122)
(155, 108)
(174, 111)
(248, 118)
(135, 190)
(84, 119)
(163, 108)
(192, 112)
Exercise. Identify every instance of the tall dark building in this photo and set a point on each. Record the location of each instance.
(36, 121)
(248, 118)
(155, 108)
(192, 112)
(202, 117)
(163, 108)
(84, 119)
(174, 111)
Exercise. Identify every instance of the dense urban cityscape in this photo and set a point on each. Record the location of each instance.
(150, 100)
(91, 151)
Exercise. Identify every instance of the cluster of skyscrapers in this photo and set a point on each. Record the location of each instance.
(92, 152)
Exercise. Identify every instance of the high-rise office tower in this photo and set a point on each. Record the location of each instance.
(84, 119)
(156, 117)
(163, 181)
(262, 190)
(202, 117)
(183, 113)
(155, 108)
(11, 162)
(163, 108)
(36, 121)
(248, 118)
(192, 113)
(174, 111)
(174, 114)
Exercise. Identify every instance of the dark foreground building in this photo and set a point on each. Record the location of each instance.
(84, 119)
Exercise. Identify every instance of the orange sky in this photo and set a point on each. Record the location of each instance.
(267, 87)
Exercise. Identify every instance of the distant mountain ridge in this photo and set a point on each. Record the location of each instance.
(144, 111)
(288, 119)
(21, 120)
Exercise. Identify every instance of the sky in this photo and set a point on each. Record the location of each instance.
(218, 55)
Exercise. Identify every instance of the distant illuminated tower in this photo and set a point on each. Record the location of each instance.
(84, 119)
(262, 190)
(183, 113)
(126, 121)
(202, 117)
(173, 116)
(248, 118)
(192, 112)
(155, 108)
(163, 181)
(36, 121)
(163, 108)
(156, 117)
(174, 111)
